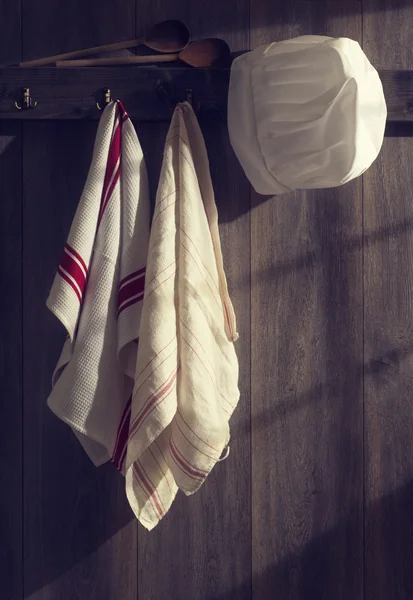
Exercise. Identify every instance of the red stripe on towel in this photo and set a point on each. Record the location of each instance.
(70, 266)
(150, 403)
(195, 434)
(70, 282)
(183, 463)
(131, 288)
(151, 492)
(131, 302)
(113, 165)
(79, 258)
(123, 432)
(122, 112)
(131, 276)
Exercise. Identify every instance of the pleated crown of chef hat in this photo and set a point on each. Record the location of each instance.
(305, 113)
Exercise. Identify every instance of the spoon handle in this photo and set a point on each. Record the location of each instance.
(123, 60)
(85, 52)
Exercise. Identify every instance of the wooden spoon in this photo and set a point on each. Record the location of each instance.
(167, 36)
(203, 53)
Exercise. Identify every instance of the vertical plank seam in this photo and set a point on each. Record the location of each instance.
(363, 395)
(21, 39)
(21, 133)
(250, 334)
(249, 32)
(250, 428)
(135, 20)
(363, 508)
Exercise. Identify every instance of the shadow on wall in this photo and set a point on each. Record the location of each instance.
(10, 359)
(316, 16)
(83, 508)
(381, 366)
(312, 15)
(302, 575)
(310, 258)
(75, 509)
(388, 554)
(229, 179)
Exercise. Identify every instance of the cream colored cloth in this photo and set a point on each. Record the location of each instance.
(186, 383)
(98, 290)
(305, 113)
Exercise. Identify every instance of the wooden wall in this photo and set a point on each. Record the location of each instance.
(315, 500)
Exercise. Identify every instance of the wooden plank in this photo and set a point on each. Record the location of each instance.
(306, 377)
(57, 27)
(73, 93)
(11, 399)
(202, 548)
(11, 363)
(150, 93)
(79, 532)
(10, 37)
(398, 91)
(388, 219)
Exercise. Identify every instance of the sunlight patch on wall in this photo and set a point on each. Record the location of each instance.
(5, 141)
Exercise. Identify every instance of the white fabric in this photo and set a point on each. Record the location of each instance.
(186, 384)
(98, 290)
(305, 113)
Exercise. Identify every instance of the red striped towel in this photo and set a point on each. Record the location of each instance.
(98, 290)
(186, 383)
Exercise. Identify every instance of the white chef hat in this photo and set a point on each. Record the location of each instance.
(305, 113)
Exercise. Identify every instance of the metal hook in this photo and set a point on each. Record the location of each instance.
(27, 101)
(107, 99)
(190, 96)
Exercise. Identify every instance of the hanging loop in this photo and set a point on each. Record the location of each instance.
(225, 454)
(27, 101)
(190, 96)
(106, 101)
(167, 97)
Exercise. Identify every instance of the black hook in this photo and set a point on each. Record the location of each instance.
(27, 101)
(190, 96)
(166, 97)
(106, 101)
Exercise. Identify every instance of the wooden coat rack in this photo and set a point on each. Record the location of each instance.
(149, 93)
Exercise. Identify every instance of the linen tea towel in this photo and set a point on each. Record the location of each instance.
(97, 293)
(186, 383)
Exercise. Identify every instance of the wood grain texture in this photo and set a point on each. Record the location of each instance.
(388, 330)
(202, 548)
(398, 91)
(11, 363)
(57, 27)
(307, 370)
(11, 398)
(73, 93)
(10, 27)
(227, 20)
(79, 532)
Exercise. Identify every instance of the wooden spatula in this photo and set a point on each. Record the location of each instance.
(203, 53)
(167, 36)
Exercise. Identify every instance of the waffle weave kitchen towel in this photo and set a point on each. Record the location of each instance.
(98, 290)
(186, 383)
